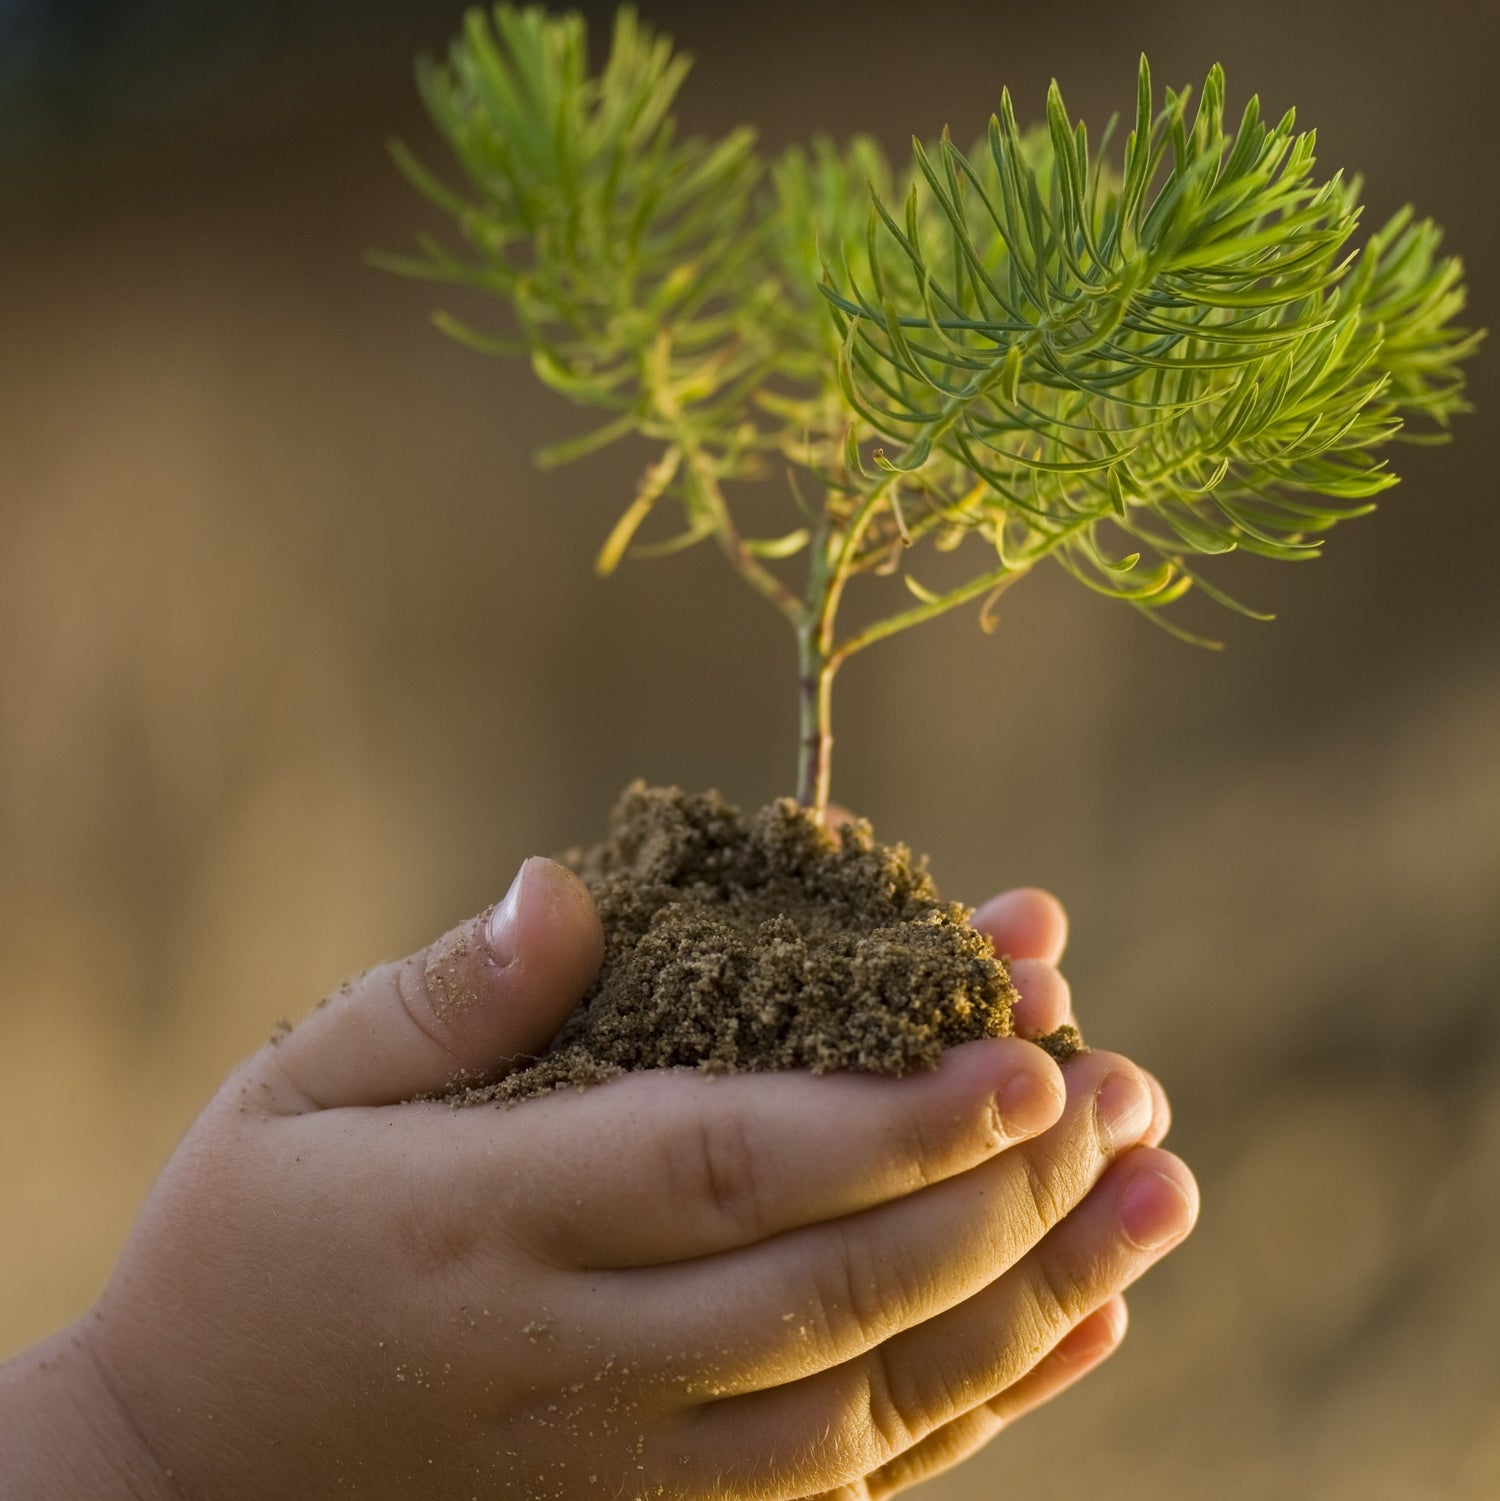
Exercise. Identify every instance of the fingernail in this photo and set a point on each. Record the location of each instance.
(1028, 1102)
(1122, 1109)
(1154, 1210)
(1094, 1338)
(501, 932)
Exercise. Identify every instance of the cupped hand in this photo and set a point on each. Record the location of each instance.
(1029, 927)
(671, 1284)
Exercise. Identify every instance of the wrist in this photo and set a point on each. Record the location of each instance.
(64, 1433)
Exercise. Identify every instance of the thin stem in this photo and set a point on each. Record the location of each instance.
(830, 581)
(815, 680)
(994, 582)
(815, 746)
(816, 662)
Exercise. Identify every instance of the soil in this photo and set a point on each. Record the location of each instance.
(766, 942)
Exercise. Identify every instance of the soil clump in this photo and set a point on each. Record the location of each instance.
(765, 942)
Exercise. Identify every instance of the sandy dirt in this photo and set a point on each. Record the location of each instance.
(737, 942)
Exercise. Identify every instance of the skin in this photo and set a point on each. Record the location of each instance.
(768, 1286)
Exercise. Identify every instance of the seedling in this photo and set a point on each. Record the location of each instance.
(1020, 351)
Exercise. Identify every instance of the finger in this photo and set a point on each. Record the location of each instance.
(1026, 923)
(676, 1165)
(1161, 1111)
(1088, 1344)
(1085, 1347)
(814, 1298)
(1046, 1001)
(872, 1409)
(493, 991)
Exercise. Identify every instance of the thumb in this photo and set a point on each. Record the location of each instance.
(489, 994)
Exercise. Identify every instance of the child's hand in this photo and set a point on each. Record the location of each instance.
(760, 1285)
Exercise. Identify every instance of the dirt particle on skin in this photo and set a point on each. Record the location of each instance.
(452, 985)
(344, 988)
(762, 942)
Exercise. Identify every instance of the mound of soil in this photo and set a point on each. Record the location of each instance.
(766, 942)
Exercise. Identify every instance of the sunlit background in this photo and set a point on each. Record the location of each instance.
(299, 657)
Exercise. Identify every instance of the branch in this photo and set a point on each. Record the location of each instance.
(992, 583)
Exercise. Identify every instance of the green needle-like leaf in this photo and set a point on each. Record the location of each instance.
(1181, 347)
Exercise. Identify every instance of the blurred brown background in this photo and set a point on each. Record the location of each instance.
(299, 657)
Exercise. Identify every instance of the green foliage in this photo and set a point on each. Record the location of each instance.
(622, 249)
(1021, 346)
(1184, 354)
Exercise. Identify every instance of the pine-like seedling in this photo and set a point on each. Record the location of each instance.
(1023, 350)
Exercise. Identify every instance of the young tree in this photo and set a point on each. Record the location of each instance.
(1020, 350)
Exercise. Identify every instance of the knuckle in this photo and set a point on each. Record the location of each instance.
(994, 1135)
(726, 1173)
(284, 1083)
(863, 1296)
(882, 1411)
(841, 1308)
(1047, 1200)
(1057, 1294)
(944, 1393)
(411, 987)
